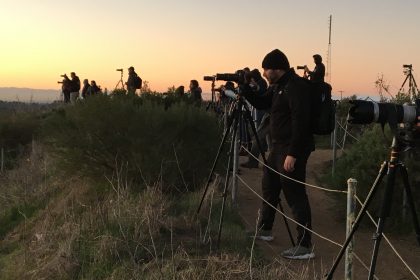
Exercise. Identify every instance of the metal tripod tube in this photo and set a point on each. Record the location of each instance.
(385, 211)
(230, 159)
(414, 216)
(254, 131)
(362, 213)
(229, 124)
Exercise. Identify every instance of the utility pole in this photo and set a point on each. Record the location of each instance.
(328, 74)
(341, 94)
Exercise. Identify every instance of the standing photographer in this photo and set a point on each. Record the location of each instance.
(133, 82)
(75, 87)
(259, 86)
(287, 99)
(66, 88)
(319, 71)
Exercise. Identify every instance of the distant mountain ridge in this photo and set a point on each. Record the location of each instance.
(29, 94)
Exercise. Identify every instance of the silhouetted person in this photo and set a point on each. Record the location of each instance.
(318, 74)
(75, 87)
(195, 92)
(86, 88)
(94, 89)
(66, 88)
(134, 81)
(180, 91)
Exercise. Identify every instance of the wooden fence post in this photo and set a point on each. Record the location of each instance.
(351, 207)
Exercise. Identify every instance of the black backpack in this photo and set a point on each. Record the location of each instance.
(323, 108)
(138, 82)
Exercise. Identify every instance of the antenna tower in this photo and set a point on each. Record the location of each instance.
(328, 74)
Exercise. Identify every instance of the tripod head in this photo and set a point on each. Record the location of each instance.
(413, 92)
(121, 70)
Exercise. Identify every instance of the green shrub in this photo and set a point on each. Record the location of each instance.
(144, 136)
(362, 162)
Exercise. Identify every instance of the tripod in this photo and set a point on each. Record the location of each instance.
(212, 103)
(239, 111)
(412, 85)
(388, 168)
(121, 80)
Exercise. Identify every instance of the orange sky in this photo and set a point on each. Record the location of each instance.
(171, 42)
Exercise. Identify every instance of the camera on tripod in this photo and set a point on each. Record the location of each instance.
(237, 77)
(301, 67)
(120, 70)
(365, 112)
(210, 78)
(404, 120)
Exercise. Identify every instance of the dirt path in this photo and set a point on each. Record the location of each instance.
(327, 224)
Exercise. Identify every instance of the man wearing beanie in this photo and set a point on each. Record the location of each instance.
(288, 102)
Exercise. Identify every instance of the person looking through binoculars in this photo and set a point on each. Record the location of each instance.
(318, 74)
(288, 101)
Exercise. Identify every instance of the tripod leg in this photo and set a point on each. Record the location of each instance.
(230, 121)
(402, 86)
(385, 211)
(361, 214)
(248, 117)
(411, 202)
(231, 155)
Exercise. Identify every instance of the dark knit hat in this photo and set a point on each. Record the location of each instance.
(275, 60)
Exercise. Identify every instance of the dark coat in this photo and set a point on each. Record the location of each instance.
(288, 102)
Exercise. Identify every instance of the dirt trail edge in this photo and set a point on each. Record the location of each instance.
(326, 223)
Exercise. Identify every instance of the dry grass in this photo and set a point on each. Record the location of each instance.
(105, 230)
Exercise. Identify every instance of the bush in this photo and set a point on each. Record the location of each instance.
(17, 129)
(362, 162)
(144, 136)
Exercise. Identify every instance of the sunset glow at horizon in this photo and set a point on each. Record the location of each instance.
(171, 42)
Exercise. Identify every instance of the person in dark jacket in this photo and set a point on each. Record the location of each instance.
(86, 88)
(287, 99)
(66, 88)
(259, 86)
(75, 87)
(94, 88)
(195, 92)
(133, 82)
(318, 74)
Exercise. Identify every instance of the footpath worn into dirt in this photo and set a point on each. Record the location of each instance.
(327, 223)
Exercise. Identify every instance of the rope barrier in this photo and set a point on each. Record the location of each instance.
(287, 217)
(389, 242)
(293, 221)
(346, 131)
(287, 177)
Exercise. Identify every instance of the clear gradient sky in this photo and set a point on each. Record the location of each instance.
(171, 42)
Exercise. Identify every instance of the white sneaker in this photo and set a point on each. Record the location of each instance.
(298, 253)
(264, 235)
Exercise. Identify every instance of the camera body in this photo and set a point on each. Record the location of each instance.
(119, 69)
(64, 76)
(301, 67)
